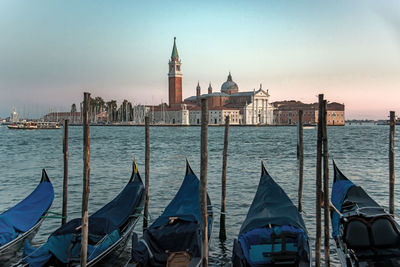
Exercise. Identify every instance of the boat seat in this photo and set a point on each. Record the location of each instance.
(384, 234)
(356, 234)
(179, 259)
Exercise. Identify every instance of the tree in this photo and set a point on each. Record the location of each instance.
(73, 108)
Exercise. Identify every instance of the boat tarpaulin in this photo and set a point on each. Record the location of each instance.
(26, 213)
(104, 225)
(272, 206)
(177, 229)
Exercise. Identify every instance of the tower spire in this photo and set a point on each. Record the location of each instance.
(174, 55)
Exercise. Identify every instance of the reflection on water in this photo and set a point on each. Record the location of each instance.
(361, 153)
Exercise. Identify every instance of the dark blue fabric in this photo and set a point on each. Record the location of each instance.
(186, 203)
(7, 231)
(272, 206)
(111, 216)
(339, 192)
(26, 213)
(65, 241)
(60, 247)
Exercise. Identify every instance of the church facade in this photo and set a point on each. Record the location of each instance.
(243, 108)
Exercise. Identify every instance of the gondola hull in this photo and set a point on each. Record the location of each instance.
(273, 233)
(11, 252)
(113, 253)
(176, 235)
(109, 231)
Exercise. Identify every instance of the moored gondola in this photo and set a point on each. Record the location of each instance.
(22, 221)
(109, 231)
(175, 237)
(273, 232)
(365, 234)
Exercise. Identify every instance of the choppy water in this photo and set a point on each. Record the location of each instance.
(360, 151)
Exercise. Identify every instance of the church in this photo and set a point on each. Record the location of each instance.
(243, 108)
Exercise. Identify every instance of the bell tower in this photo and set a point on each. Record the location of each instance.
(174, 78)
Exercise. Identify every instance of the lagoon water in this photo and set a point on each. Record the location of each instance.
(361, 152)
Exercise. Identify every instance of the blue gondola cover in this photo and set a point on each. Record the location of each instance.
(271, 213)
(26, 213)
(104, 225)
(181, 235)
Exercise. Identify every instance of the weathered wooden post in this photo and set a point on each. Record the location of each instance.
(86, 179)
(146, 172)
(65, 182)
(300, 154)
(326, 183)
(203, 181)
(318, 186)
(391, 162)
(222, 230)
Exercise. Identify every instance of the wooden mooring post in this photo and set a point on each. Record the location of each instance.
(318, 186)
(86, 179)
(300, 155)
(326, 183)
(65, 181)
(222, 229)
(146, 172)
(391, 162)
(203, 181)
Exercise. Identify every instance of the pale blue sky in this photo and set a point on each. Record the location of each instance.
(51, 51)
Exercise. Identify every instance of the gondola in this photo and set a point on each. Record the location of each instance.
(22, 221)
(365, 234)
(273, 233)
(175, 237)
(109, 231)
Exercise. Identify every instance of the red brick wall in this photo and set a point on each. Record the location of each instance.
(175, 90)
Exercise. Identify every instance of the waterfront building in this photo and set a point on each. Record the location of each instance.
(287, 113)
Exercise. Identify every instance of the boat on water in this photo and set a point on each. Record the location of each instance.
(21, 222)
(365, 234)
(31, 125)
(110, 229)
(273, 233)
(174, 239)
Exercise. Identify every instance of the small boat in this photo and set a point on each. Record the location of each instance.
(23, 126)
(175, 237)
(109, 231)
(22, 221)
(365, 234)
(273, 232)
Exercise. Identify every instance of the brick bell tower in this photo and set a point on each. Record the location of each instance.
(174, 78)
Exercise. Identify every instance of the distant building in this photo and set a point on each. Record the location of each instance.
(287, 113)
(250, 108)
(73, 117)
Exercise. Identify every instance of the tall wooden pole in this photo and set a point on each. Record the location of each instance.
(86, 179)
(146, 172)
(203, 181)
(65, 182)
(318, 186)
(300, 154)
(391, 162)
(222, 230)
(326, 183)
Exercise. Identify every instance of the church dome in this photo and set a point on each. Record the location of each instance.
(229, 87)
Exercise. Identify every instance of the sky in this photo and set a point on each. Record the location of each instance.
(51, 51)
